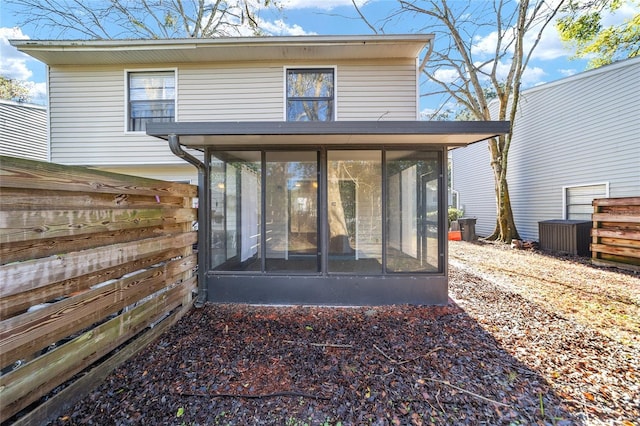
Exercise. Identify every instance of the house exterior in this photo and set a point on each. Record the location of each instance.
(318, 184)
(23, 130)
(574, 140)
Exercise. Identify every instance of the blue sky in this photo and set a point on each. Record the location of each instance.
(306, 17)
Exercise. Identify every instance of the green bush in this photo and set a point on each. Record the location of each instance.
(454, 214)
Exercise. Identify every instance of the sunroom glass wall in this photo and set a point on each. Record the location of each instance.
(412, 211)
(277, 193)
(354, 211)
(291, 211)
(236, 211)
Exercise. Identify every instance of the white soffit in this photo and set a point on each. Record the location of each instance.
(231, 49)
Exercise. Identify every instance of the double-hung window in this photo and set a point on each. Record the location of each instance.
(151, 98)
(310, 94)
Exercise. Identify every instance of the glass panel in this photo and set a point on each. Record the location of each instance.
(291, 222)
(354, 190)
(309, 110)
(235, 211)
(151, 98)
(310, 83)
(412, 211)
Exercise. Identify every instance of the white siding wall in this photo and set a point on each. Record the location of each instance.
(23, 131)
(88, 104)
(472, 177)
(581, 130)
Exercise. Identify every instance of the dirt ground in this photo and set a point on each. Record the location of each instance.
(527, 338)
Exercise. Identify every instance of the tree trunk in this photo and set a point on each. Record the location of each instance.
(505, 229)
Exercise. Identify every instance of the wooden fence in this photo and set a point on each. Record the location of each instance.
(93, 267)
(616, 232)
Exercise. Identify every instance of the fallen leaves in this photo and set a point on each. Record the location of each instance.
(497, 356)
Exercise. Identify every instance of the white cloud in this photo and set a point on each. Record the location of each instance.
(281, 28)
(14, 62)
(485, 45)
(532, 74)
(38, 93)
(625, 12)
(550, 46)
(325, 4)
(568, 72)
(446, 75)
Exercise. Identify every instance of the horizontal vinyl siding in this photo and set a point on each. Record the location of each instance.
(183, 172)
(88, 103)
(583, 130)
(232, 93)
(87, 109)
(23, 131)
(377, 92)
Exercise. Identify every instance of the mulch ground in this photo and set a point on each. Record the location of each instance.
(492, 356)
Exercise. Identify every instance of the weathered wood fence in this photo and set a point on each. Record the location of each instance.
(616, 232)
(93, 267)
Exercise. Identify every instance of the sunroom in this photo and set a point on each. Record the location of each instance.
(330, 213)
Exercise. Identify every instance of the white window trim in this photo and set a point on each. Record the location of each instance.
(126, 95)
(418, 75)
(299, 67)
(564, 194)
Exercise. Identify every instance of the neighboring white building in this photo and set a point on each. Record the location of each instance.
(574, 140)
(23, 130)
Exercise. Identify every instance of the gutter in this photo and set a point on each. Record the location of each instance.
(203, 208)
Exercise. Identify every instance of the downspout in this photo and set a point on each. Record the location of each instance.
(203, 208)
(426, 56)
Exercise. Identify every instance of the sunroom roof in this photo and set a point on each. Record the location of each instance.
(275, 133)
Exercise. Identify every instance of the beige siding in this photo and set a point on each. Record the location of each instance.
(23, 131)
(88, 104)
(87, 108)
(231, 93)
(182, 172)
(377, 92)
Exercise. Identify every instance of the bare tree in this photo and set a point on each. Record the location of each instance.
(456, 71)
(155, 19)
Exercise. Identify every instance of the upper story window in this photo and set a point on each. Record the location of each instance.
(151, 98)
(310, 94)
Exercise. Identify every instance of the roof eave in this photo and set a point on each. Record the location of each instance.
(97, 52)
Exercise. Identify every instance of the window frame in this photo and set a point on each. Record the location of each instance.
(566, 188)
(127, 103)
(309, 68)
